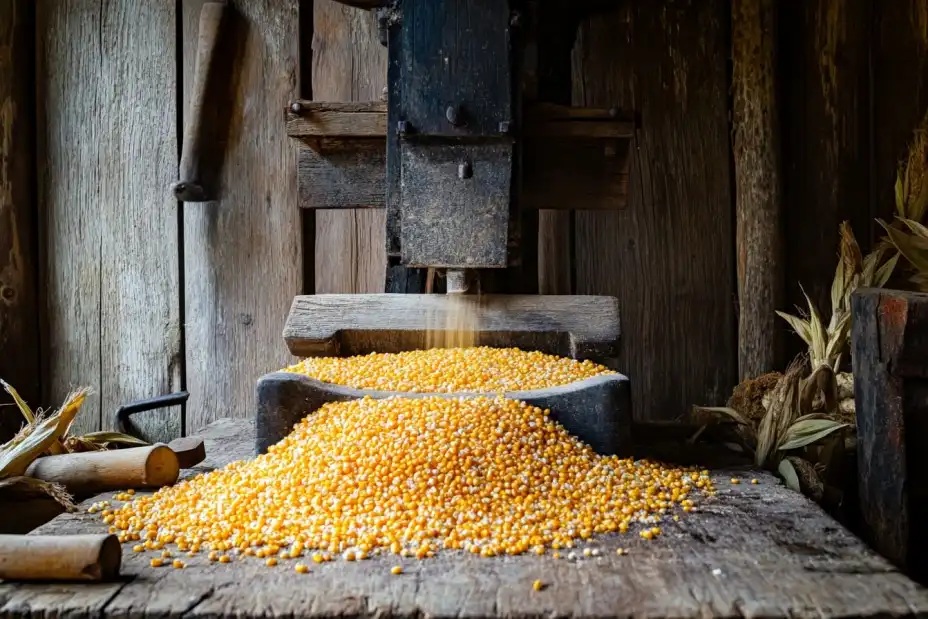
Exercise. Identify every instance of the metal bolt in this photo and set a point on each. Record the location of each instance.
(453, 115)
(296, 107)
(465, 170)
(8, 293)
(402, 127)
(515, 20)
(384, 94)
(505, 126)
(613, 112)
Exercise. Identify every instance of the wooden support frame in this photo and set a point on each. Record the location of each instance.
(572, 156)
(890, 357)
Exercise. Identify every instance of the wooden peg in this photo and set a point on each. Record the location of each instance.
(59, 557)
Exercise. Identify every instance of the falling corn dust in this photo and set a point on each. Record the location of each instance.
(449, 370)
(415, 477)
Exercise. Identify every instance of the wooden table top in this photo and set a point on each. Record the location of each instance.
(753, 550)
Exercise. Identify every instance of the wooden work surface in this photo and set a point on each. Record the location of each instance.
(754, 550)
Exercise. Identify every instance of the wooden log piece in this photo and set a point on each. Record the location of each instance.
(890, 358)
(189, 450)
(59, 557)
(758, 196)
(190, 186)
(100, 471)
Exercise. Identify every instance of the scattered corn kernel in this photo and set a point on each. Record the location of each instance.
(225, 559)
(157, 562)
(735, 480)
(301, 568)
(138, 548)
(271, 562)
(621, 551)
(178, 564)
(755, 482)
(396, 570)
(346, 481)
(538, 585)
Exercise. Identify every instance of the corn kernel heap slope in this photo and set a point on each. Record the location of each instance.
(448, 370)
(487, 475)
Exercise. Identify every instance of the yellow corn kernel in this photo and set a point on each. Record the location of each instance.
(538, 585)
(396, 570)
(271, 561)
(301, 568)
(384, 479)
(178, 564)
(157, 562)
(225, 559)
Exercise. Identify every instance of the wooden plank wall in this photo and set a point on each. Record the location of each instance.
(243, 259)
(19, 328)
(669, 256)
(108, 153)
(349, 64)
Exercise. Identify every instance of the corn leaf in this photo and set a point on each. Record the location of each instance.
(800, 326)
(18, 454)
(723, 410)
(900, 191)
(816, 331)
(788, 473)
(104, 437)
(765, 439)
(916, 228)
(914, 248)
(14, 489)
(807, 432)
(883, 273)
(916, 209)
(839, 286)
(20, 403)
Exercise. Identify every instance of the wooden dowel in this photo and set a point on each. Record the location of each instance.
(59, 557)
(101, 471)
(189, 450)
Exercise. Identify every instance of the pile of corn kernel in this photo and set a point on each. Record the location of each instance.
(448, 370)
(414, 477)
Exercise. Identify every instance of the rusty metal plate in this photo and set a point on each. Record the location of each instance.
(455, 203)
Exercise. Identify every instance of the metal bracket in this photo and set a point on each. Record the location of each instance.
(165, 401)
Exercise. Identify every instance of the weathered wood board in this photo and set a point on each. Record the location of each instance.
(755, 550)
(349, 64)
(108, 131)
(19, 260)
(825, 115)
(890, 355)
(758, 187)
(243, 253)
(583, 327)
(669, 256)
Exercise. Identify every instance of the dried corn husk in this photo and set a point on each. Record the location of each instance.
(911, 240)
(22, 488)
(20, 403)
(801, 476)
(34, 440)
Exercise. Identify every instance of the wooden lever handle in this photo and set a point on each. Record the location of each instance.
(189, 187)
(93, 472)
(189, 450)
(59, 557)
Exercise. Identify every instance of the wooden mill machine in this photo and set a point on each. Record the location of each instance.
(475, 137)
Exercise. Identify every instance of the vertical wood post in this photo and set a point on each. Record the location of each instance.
(758, 191)
(19, 331)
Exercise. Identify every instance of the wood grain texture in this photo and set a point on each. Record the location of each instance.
(349, 64)
(364, 119)
(19, 260)
(668, 257)
(342, 174)
(243, 252)
(826, 155)
(899, 92)
(108, 119)
(753, 551)
(758, 187)
(346, 325)
(890, 359)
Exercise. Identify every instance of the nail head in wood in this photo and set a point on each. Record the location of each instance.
(453, 114)
(296, 107)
